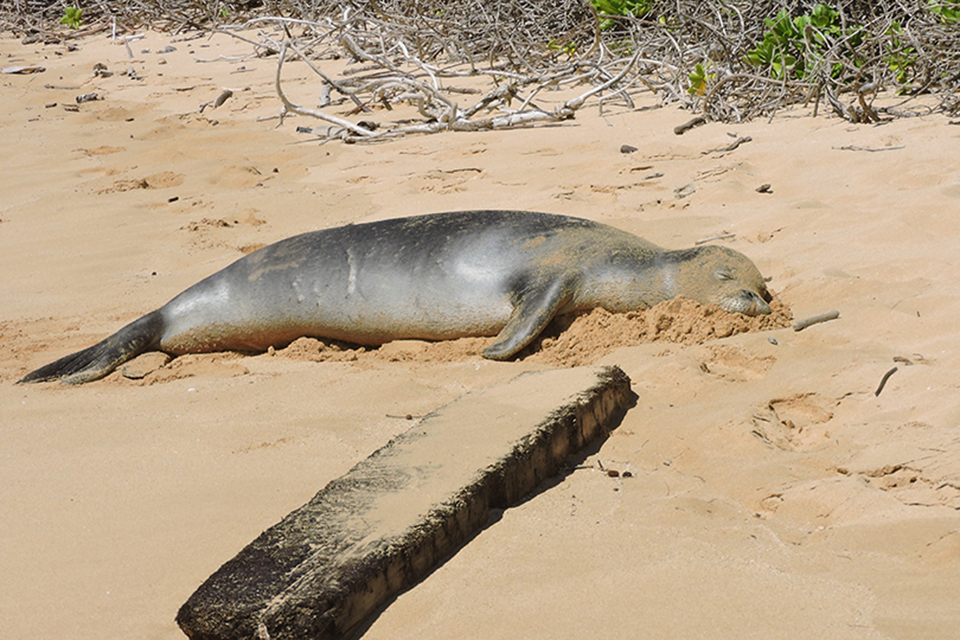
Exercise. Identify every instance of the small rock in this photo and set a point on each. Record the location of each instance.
(627, 149)
(142, 366)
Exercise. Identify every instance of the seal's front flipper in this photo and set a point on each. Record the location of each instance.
(534, 309)
(99, 360)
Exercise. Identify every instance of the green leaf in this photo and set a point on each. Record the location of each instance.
(948, 12)
(72, 17)
(698, 80)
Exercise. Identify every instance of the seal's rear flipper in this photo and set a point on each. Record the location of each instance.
(99, 360)
(534, 309)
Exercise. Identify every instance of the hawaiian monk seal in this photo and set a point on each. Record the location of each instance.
(441, 276)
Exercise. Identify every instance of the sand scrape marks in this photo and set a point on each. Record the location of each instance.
(239, 177)
(914, 486)
(445, 181)
(162, 180)
(21, 342)
(917, 465)
(34, 342)
(798, 423)
(222, 232)
(735, 364)
(102, 150)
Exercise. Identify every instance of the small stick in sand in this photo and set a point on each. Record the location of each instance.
(722, 236)
(883, 381)
(823, 317)
(853, 147)
(730, 147)
(686, 126)
(24, 69)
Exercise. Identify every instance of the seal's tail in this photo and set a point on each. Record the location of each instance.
(99, 360)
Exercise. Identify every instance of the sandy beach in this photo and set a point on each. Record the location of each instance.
(772, 493)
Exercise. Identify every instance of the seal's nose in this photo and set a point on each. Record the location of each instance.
(765, 294)
(758, 306)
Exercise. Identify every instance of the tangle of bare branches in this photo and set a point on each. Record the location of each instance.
(721, 59)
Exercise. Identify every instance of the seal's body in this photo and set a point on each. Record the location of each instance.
(441, 276)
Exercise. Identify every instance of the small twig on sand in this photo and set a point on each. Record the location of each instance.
(730, 147)
(853, 147)
(883, 381)
(722, 236)
(681, 129)
(823, 317)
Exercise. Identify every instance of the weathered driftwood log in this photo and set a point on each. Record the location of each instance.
(396, 515)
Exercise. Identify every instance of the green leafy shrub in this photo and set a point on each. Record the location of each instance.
(72, 17)
(698, 80)
(626, 8)
(948, 12)
(791, 47)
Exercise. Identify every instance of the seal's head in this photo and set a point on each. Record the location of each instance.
(721, 276)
